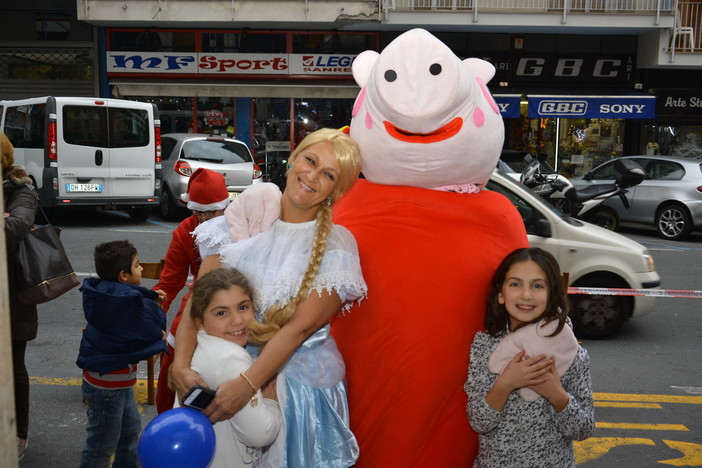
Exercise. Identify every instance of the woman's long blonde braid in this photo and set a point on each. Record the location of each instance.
(278, 315)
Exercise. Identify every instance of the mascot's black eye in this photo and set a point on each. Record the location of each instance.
(435, 69)
(390, 75)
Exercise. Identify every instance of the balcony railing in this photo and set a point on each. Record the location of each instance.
(687, 34)
(685, 37)
(550, 6)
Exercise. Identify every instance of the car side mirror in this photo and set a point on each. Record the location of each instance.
(543, 228)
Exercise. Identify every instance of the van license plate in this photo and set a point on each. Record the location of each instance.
(83, 187)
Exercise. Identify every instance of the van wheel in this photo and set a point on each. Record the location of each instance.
(598, 316)
(673, 222)
(604, 218)
(168, 207)
(140, 213)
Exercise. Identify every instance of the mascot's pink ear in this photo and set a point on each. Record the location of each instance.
(363, 65)
(480, 68)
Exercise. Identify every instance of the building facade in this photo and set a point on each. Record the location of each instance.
(579, 80)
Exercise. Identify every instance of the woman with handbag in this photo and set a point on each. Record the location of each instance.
(20, 205)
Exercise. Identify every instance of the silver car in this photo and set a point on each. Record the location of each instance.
(670, 197)
(183, 153)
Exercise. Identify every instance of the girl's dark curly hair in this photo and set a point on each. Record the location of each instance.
(212, 282)
(557, 306)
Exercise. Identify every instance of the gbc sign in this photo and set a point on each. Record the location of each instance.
(605, 107)
(561, 108)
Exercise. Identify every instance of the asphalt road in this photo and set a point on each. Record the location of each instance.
(647, 379)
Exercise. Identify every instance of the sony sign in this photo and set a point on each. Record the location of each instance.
(622, 108)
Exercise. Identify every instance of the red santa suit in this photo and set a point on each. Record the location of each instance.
(182, 259)
(207, 192)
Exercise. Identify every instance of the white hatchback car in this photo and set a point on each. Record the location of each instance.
(592, 257)
(183, 153)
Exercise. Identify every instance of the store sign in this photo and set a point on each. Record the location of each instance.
(216, 118)
(321, 64)
(225, 64)
(610, 69)
(602, 107)
(508, 105)
(687, 102)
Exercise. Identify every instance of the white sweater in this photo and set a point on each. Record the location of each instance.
(240, 438)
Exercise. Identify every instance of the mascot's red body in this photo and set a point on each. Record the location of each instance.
(429, 132)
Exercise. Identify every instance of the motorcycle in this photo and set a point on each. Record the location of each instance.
(585, 203)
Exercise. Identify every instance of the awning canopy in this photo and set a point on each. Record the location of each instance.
(174, 89)
(603, 107)
(508, 104)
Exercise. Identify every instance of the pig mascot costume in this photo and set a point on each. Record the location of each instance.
(430, 240)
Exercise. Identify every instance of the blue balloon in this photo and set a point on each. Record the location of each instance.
(177, 438)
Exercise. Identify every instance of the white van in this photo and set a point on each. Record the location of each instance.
(87, 151)
(592, 256)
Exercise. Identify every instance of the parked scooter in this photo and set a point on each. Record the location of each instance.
(586, 203)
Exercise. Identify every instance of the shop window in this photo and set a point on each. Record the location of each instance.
(215, 116)
(243, 42)
(335, 43)
(674, 140)
(152, 41)
(73, 64)
(572, 146)
(53, 25)
(587, 143)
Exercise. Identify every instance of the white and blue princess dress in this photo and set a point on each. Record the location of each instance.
(311, 387)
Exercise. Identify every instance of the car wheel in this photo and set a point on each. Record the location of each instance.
(597, 316)
(166, 206)
(603, 217)
(673, 222)
(140, 213)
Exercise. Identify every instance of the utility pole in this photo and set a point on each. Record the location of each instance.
(8, 424)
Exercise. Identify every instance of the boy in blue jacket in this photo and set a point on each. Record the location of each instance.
(125, 325)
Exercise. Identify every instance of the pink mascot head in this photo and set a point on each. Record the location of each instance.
(424, 117)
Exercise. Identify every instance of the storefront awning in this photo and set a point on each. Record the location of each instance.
(331, 91)
(602, 107)
(508, 104)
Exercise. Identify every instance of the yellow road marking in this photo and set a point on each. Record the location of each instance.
(615, 404)
(697, 400)
(140, 390)
(595, 447)
(646, 427)
(692, 454)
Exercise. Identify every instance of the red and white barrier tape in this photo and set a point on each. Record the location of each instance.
(636, 292)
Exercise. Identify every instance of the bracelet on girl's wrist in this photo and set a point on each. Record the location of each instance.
(254, 398)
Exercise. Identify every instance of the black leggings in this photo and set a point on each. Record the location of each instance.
(21, 388)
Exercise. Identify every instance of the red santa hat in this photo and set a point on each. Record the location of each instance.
(207, 191)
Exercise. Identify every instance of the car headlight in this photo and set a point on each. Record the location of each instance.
(648, 260)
